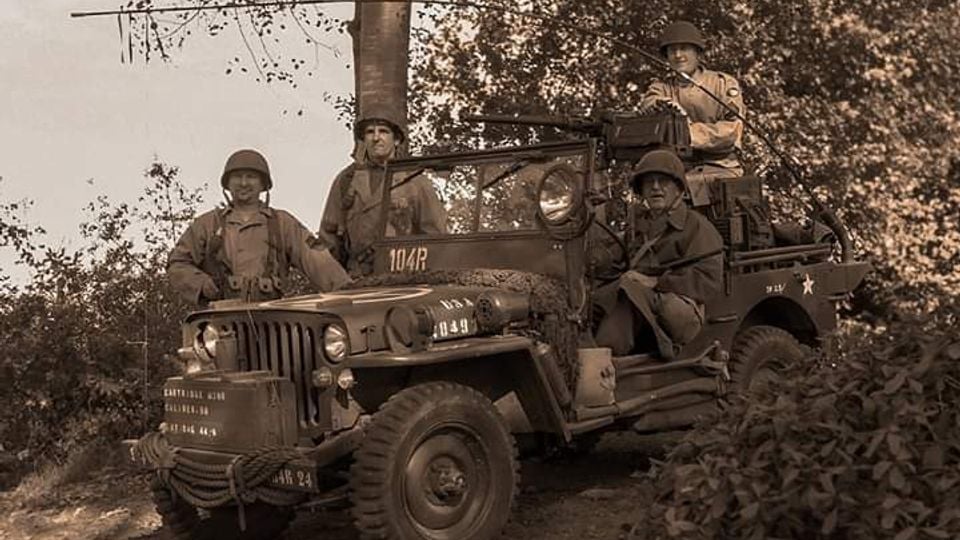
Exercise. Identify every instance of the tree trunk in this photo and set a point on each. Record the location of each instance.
(381, 37)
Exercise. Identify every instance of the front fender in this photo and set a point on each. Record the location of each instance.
(448, 351)
(493, 365)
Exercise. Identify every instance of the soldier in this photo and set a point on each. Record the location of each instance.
(675, 265)
(715, 132)
(350, 220)
(246, 249)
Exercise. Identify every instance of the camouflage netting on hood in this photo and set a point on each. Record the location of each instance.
(867, 447)
(548, 302)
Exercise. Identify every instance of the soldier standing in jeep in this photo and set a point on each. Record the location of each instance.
(676, 265)
(246, 249)
(715, 133)
(349, 222)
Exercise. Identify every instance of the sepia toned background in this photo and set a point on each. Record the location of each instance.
(864, 94)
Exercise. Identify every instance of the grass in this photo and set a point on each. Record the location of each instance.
(41, 487)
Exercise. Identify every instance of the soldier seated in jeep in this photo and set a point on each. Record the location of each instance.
(675, 265)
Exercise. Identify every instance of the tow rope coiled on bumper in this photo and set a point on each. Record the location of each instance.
(208, 485)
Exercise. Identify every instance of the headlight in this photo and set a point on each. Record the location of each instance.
(335, 343)
(206, 344)
(558, 195)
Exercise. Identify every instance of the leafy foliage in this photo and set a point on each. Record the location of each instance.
(867, 447)
(261, 29)
(863, 95)
(83, 345)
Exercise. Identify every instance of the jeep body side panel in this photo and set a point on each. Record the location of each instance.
(801, 299)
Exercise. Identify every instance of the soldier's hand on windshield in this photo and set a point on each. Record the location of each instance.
(209, 289)
(642, 279)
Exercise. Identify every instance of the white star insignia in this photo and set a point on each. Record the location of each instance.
(807, 284)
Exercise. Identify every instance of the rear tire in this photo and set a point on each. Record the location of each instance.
(181, 521)
(437, 463)
(760, 353)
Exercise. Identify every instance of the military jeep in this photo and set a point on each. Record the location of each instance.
(405, 395)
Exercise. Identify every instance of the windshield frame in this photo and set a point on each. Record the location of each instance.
(506, 155)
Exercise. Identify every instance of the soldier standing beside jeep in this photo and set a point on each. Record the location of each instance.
(676, 265)
(349, 222)
(246, 249)
(716, 134)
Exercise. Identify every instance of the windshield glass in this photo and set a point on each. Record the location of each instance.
(466, 198)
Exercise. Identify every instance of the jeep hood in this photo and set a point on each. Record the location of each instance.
(362, 311)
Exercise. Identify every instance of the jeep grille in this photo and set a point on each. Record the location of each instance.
(288, 349)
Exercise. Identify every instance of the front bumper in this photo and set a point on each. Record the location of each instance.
(208, 479)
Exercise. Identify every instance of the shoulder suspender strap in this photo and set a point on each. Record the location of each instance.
(277, 262)
(347, 197)
(216, 254)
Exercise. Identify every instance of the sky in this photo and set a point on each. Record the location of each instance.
(76, 123)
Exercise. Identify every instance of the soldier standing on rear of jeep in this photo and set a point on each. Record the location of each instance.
(676, 265)
(716, 134)
(350, 219)
(246, 249)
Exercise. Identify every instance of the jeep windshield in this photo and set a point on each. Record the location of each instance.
(477, 192)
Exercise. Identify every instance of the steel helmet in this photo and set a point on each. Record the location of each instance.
(247, 159)
(379, 114)
(659, 161)
(681, 32)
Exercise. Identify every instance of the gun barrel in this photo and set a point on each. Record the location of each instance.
(563, 122)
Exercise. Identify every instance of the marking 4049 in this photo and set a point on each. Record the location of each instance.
(412, 259)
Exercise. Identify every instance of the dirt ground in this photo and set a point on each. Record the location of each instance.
(588, 497)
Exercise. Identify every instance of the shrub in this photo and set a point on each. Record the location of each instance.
(867, 446)
(84, 344)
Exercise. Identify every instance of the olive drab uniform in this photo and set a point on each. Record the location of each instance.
(351, 219)
(249, 259)
(715, 133)
(684, 251)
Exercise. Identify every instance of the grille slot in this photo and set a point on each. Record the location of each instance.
(287, 349)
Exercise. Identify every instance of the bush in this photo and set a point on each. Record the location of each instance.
(84, 344)
(866, 447)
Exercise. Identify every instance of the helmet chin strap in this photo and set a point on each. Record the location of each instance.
(673, 206)
(226, 197)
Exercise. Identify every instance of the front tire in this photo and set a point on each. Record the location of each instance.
(181, 521)
(437, 463)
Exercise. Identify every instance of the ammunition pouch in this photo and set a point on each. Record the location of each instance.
(251, 289)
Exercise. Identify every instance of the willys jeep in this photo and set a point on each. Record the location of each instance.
(406, 395)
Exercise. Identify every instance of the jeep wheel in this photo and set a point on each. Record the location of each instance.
(180, 521)
(436, 463)
(759, 354)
